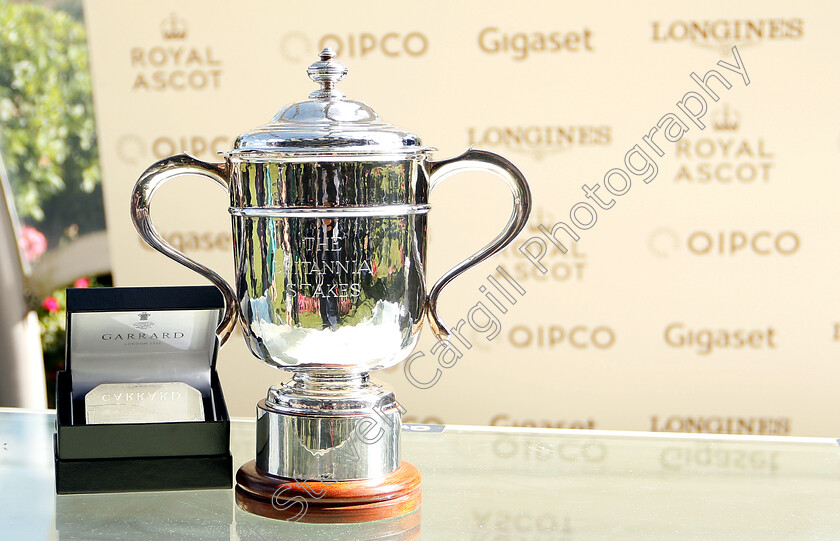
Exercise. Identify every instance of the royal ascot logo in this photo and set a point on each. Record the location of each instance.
(539, 141)
(296, 46)
(535, 260)
(173, 28)
(722, 34)
(174, 65)
(717, 424)
(665, 241)
(726, 157)
(523, 45)
(725, 120)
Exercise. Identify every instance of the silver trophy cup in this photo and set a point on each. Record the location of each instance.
(328, 208)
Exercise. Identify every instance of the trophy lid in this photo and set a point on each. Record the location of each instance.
(326, 123)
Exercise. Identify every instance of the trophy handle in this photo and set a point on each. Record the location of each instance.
(153, 178)
(479, 160)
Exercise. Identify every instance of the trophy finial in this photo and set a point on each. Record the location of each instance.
(327, 72)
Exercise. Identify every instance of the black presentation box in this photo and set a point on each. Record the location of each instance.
(141, 335)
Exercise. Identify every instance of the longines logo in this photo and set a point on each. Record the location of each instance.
(539, 141)
(296, 46)
(521, 45)
(665, 241)
(175, 65)
(726, 158)
(716, 424)
(722, 34)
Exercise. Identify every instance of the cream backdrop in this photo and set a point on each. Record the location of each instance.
(730, 242)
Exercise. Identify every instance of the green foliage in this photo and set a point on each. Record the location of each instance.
(52, 316)
(46, 112)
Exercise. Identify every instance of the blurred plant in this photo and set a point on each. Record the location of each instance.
(52, 315)
(48, 134)
(32, 242)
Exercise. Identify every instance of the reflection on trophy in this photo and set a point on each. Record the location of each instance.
(328, 209)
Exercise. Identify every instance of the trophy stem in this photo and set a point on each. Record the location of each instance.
(341, 382)
(328, 426)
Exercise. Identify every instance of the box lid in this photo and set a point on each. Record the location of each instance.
(148, 334)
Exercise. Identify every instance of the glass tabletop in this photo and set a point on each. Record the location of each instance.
(478, 483)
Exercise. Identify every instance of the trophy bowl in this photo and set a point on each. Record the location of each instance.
(328, 211)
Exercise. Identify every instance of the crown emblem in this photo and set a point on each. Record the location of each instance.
(144, 316)
(173, 28)
(726, 120)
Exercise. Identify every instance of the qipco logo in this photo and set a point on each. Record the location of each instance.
(730, 243)
(391, 44)
(578, 337)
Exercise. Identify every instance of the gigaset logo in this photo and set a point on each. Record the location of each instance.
(504, 419)
(707, 341)
(520, 45)
(703, 458)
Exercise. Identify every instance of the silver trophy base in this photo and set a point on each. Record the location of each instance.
(327, 426)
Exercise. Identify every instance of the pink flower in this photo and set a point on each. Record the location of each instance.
(82, 282)
(51, 304)
(32, 242)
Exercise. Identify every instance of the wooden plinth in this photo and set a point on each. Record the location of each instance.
(395, 495)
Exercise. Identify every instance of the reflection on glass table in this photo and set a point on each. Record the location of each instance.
(478, 483)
